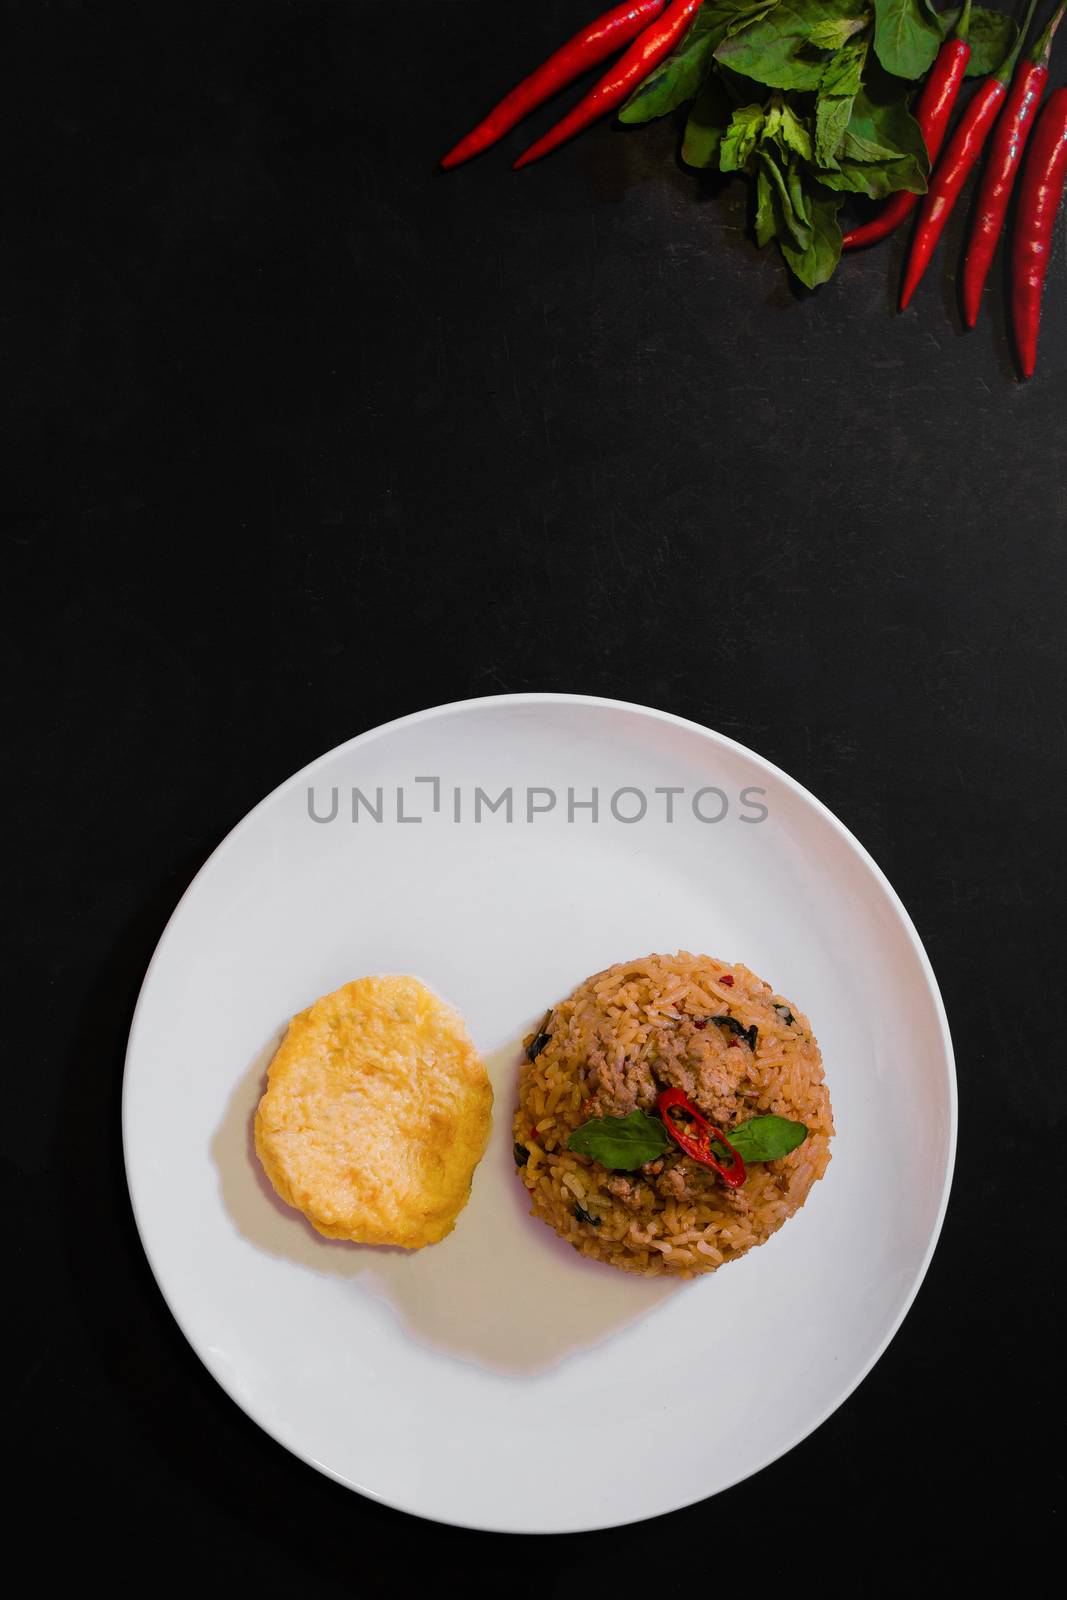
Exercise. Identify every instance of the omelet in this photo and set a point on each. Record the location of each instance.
(376, 1114)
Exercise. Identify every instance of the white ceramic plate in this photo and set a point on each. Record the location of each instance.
(498, 1380)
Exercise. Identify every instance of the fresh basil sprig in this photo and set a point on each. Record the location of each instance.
(810, 100)
(624, 1144)
(778, 49)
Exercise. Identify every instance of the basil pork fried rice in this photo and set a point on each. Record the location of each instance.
(623, 1037)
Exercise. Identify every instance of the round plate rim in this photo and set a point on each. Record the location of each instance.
(547, 697)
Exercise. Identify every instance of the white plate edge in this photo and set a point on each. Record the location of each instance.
(549, 697)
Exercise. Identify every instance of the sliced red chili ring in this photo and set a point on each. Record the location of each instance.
(696, 1136)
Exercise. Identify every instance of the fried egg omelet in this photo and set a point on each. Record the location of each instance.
(376, 1114)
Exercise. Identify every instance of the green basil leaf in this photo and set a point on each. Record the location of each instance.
(880, 117)
(991, 35)
(858, 148)
(863, 177)
(707, 124)
(801, 204)
(907, 37)
(768, 1138)
(726, 17)
(831, 120)
(795, 133)
(793, 226)
(813, 265)
(740, 138)
(843, 73)
(766, 224)
(621, 1143)
(778, 50)
(832, 34)
(786, 129)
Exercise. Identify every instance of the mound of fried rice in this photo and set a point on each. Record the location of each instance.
(621, 1038)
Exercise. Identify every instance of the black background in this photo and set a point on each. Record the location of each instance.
(307, 436)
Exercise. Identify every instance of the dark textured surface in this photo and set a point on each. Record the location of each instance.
(308, 436)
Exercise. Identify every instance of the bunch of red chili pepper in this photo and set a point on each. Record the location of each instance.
(637, 23)
(1004, 107)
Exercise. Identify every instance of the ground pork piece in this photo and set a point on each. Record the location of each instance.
(620, 1086)
(705, 1063)
(671, 1185)
(736, 1200)
(721, 1111)
(671, 1067)
(624, 1189)
(685, 1180)
(719, 1063)
(689, 1181)
(715, 1099)
(633, 1192)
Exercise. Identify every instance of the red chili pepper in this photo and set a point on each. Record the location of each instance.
(1039, 200)
(644, 55)
(725, 977)
(1002, 169)
(588, 48)
(932, 114)
(963, 150)
(695, 1135)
